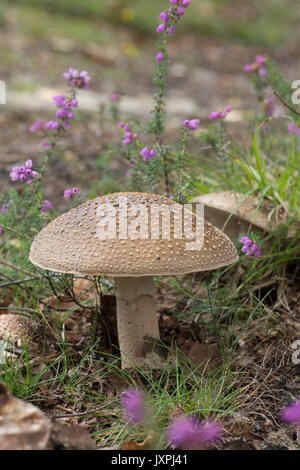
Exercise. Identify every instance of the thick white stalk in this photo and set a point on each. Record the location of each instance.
(136, 317)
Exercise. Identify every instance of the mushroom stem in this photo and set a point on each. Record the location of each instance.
(136, 317)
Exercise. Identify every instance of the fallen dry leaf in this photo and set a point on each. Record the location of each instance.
(22, 425)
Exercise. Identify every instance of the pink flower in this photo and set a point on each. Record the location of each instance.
(191, 124)
(187, 432)
(67, 193)
(78, 79)
(160, 57)
(180, 11)
(164, 16)
(257, 66)
(114, 98)
(47, 206)
(292, 128)
(291, 414)
(220, 114)
(133, 403)
(250, 248)
(36, 126)
(160, 28)
(186, 3)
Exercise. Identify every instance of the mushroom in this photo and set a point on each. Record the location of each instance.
(236, 214)
(122, 235)
(15, 331)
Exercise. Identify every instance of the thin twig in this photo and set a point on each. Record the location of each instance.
(285, 103)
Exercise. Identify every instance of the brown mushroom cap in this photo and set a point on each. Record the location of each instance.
(235, 213)
(16, 329)
(70, 244)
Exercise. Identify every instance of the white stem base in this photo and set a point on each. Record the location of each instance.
(136, 317)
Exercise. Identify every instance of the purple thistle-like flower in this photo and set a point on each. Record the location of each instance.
(291, 414)
(180, 11)
(4, 208)
(189, 433)
(172, 30)
(133, 403)
(186, 3)
(36, 126)
(174, 2)
(160, 57)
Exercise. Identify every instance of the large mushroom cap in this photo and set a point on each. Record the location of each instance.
(71, 243)
(236, 213)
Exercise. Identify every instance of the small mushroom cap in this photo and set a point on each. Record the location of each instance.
(71, 242)
(222, 206)
(16, 329)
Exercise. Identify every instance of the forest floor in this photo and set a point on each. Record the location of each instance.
(206, 73)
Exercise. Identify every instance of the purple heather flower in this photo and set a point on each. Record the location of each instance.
(191, 124)
(114, 98)
(160, 28)
(67, 193)
(23, 173)
(36, 126)
(53, 125)
(186, 3)
(250, 248)
(46, 145)
(220, 114)
(133, 403)
(172, 30)
(4, 208)
(78, 79)
(121, 124)
(189, 433)
(248, 68)
(164, 16)
(152, 153)
(292, 128)
(145, 152)
(47, 206)
(59, 100)
(174, 2)
(269, 105)
(291, 414)
(126, 128)
(258, 66)
(160, 57)
(260, 59)
(75, 191)
(180, 11)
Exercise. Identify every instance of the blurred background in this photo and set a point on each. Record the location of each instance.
(115, 41)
